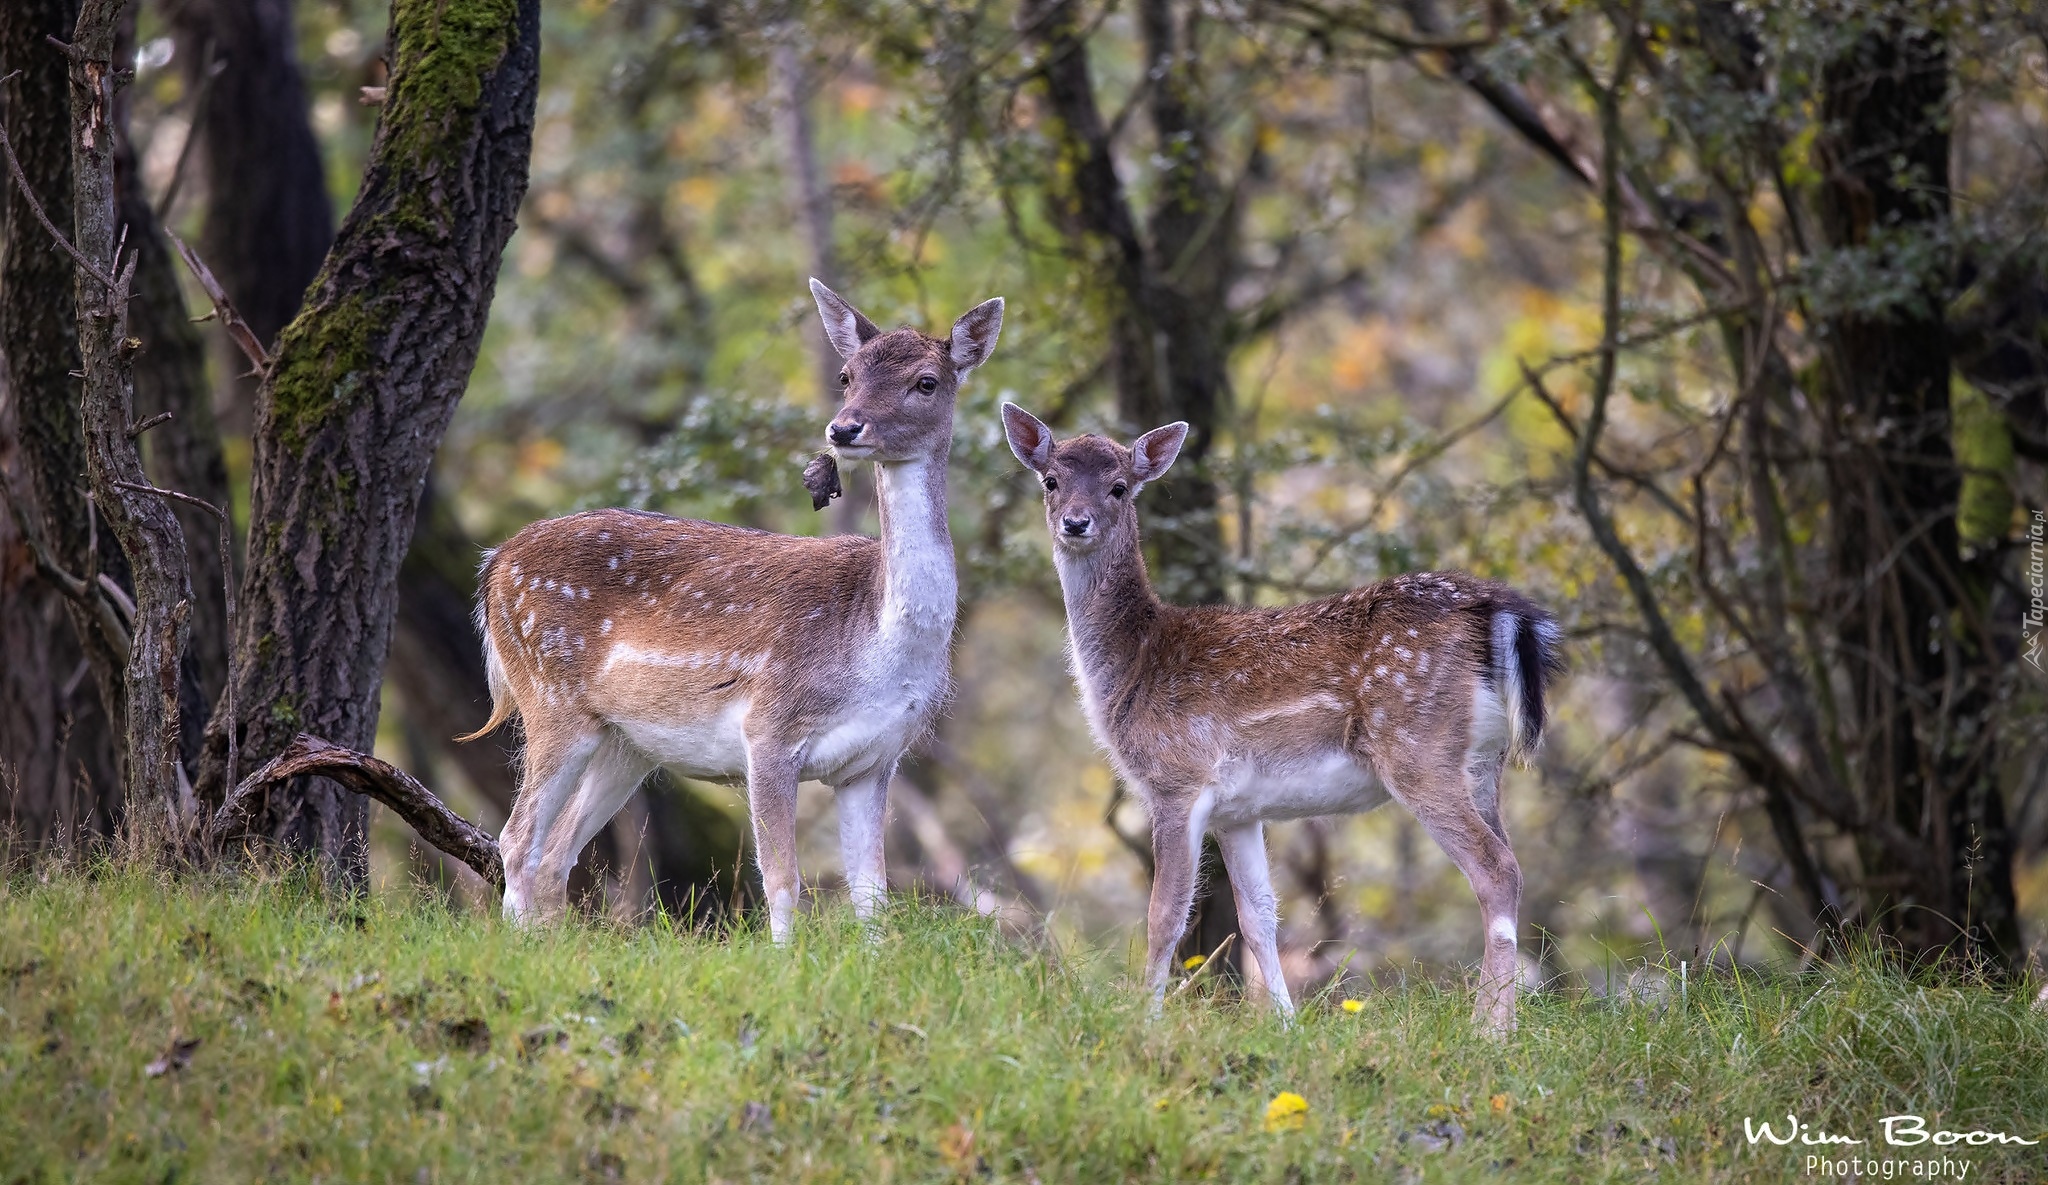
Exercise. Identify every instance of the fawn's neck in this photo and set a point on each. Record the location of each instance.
(1111, 610)
(919, 591)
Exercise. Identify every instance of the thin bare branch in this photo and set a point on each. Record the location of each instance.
(238, 329)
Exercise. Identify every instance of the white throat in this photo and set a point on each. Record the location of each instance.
(1080, 577)
(920, 593)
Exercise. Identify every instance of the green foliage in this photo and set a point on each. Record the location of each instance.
(262, 1030)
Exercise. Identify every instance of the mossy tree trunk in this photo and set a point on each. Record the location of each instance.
(360, 390)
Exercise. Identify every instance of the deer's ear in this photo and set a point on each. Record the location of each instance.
(844, 325)
(1153, 453)
(1030, 439)
(974, 335)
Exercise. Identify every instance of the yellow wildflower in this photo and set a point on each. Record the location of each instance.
(1288, 1112)
(1500, 1104)
(1354, 1006)
(1194, 961)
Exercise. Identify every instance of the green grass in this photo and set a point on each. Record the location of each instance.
(385, 1041)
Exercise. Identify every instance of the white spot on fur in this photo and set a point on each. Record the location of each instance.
(606, 627)
(526, 627)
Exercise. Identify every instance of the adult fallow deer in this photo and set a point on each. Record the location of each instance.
(1418, 688)
(622, 639)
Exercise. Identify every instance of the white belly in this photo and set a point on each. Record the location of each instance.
(713, 748)
(1297, 786)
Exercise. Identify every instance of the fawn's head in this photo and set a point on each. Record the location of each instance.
(898, 387)
(1091, 482)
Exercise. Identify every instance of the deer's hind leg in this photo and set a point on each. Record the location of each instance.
(773, 769)
(552, 767)
(1443, 802)
(613, 772)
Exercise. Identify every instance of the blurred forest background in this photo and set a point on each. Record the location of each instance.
(1720, 327)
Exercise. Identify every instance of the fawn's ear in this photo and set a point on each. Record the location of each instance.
(974, 335)
(1030, 439)
(1152, 454)
(844, 325)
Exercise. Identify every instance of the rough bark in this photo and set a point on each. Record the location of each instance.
(183, 452)
(361, 389)
(147, 530)
(58, 784)
(1911, 616)
(38, 325)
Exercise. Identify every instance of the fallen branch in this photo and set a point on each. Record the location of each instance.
(426, 814)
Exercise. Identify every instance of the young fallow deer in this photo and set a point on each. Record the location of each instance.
(1222, 718)
(623, 639)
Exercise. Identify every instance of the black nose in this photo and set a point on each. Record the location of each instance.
(845, 433)
(1075, 526)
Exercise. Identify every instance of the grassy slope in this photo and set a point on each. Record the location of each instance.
(371, 1042)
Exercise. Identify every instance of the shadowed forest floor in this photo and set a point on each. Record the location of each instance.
(153, 1030)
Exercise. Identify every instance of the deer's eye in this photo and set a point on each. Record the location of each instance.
(845, 380)
(1051, 484)
(927, 384)
(1118, 490)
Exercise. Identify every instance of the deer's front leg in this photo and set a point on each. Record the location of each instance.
(863, 808)
(1176, 854)
(772, 770)
(1258, 907)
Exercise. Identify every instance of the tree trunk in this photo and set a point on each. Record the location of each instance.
(269, 221)
(57, 775)
(147, 530)
(360, 391)
(182, 453)
(39, 326)
(1913, 627)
